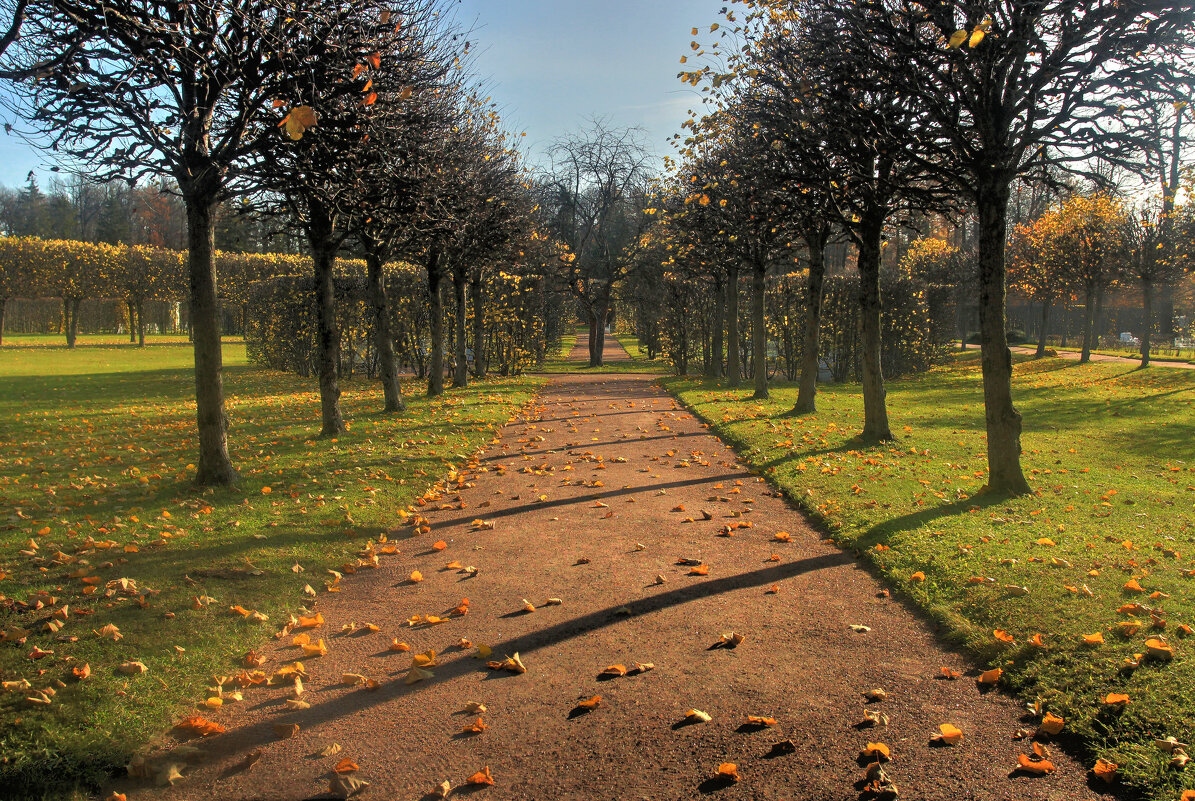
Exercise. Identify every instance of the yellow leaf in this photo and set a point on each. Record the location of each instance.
(298, 121)
(950, 734)
(957, 38)
(1052, 724)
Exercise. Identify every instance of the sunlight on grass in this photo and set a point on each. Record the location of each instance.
(1110, 452)
(100, 519)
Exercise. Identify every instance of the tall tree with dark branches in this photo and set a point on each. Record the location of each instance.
(1011, 87)
(598, 190)
(138, 89)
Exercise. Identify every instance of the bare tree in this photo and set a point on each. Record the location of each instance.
(1010, 86)
(598, 194)
(143, 88)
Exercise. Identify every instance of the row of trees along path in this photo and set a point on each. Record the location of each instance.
(592, 497)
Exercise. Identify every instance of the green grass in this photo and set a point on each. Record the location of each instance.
(1155, 354)
(1110, 452)
(95, 448)
(636, 364)
(20, 341)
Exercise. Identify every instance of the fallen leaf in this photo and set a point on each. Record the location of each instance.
(728, 771)
(346, 785)
(949, 734)
(199, 726)
(877, 751)
(477, 727)
(1025, 763)
(590, 703)
(284, 731)
(481, 778)
(614, 670)
(132, 668)
(697, 716)
(1105, 770)
(990, 676)
(346, 765)
(1051, 724)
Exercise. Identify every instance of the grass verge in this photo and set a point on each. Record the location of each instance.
(100, 526)
(1110, 452)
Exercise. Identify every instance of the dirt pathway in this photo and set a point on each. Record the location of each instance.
(592, 498)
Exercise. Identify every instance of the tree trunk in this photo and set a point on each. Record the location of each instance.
(1045, 327)
(460, 377)
(131, 308)
(592, 335)
(475, 290)
(716, 345)
(3, 303)
(759, 331)
(1088, 326)
(814, 291)
(600, 311)
(323, 257)
(141, 322)
(733, 369)
(70, 324)
(383, 339)
(1002, 420)
(875, 407)
(435, 282)
(1147, 292)
(215, 468)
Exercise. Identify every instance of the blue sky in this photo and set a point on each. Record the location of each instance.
(551, 64)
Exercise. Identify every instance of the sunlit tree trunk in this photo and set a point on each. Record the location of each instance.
(1003, 422)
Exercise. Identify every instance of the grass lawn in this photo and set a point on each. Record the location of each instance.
(1110, 451)
(99, 526)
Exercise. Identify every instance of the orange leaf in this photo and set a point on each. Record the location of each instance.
(346, 765)
(1093, 639)
(477, 727)
(990, 676)
(614, 670)
(1034, 766)
(199, 726)
(1052, 724)
(950, 734)
(592, 703)
(481, 777)
(700, 570)
(1105, 770)
(729, 770)
(877, 751)
(439, 546)
(415, 576)
(1119, 700)
(1003, 636)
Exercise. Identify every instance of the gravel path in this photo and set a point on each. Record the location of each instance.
(593, 496)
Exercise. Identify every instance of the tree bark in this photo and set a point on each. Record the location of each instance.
(733, 369)
(1043, 330)
(475, 291)
(1088, 326)
(592, 335)
(460, 377)
(875, 407)
(323, 257)
(131, 307)
(383, 339)
(70, 320)
(814, 292)
(759, 331)
(435, 283)
(1147, 292)
(215, 468)
(1003, 422)
(3, 303)
(600, 311)
(716, 345)
(141, 322)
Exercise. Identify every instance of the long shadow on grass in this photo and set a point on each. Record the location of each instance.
(881, 532)
(240, 740)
